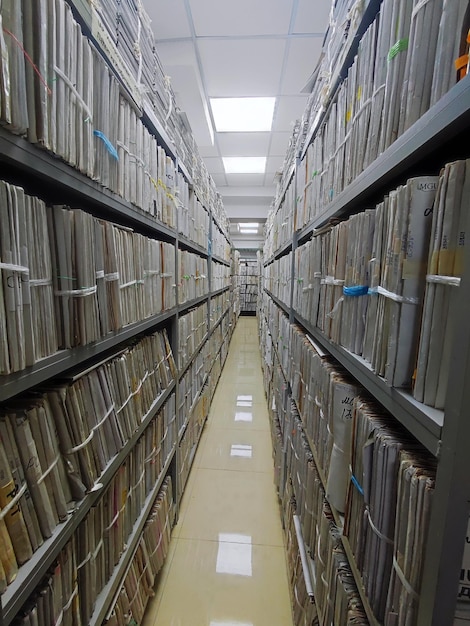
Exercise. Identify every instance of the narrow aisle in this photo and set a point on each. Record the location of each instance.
(226, 565)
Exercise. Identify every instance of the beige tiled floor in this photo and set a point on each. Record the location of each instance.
(226, 565)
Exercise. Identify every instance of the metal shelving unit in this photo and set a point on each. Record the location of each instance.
(47, 176)
(439, 136)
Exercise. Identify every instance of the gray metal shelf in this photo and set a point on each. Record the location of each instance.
(192, 246)
(220, 260)
(61, 183)
(440, 124)
(65, 360)
(34, 570)
(423, 422)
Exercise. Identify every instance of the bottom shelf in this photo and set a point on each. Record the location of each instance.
(108, 594)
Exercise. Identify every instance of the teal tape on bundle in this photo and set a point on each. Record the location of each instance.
(355, 482)
(109, 146)
(400, 46)
(360, 290)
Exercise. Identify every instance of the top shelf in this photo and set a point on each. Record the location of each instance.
(49, 177)
(426, 139)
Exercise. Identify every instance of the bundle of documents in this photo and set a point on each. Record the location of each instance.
(220, 244)
(451, 32)
(444, 269)
(306, 483)
(193, 281)
(278, 277)
(71, 432)
(404, 244)
(345, 604)
(361, 282)
(324, 395)
(27, 320)
(304, 608)
(192, 328)
(151, 553)
(218, 307)
(383, 514)
(220, 276)
(384, 93)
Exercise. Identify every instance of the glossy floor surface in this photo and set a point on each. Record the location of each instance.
(227, 565)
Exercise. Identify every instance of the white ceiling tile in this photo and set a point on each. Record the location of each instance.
(214, 165)
(219, 180)
(242, 68)
(289, 109)
(176, 53)
(168, 18)
(244, 17)
(208, 151)
(312, 16)
(243, 144)
(279, 143)
(245, 180)
(273, 164)
(302, 59)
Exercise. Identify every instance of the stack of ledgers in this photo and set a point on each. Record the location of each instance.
(192, 329)
(393, 81)
(363, 281)
(56, 443)
(68, 278)
(69, 86)
(149, 558)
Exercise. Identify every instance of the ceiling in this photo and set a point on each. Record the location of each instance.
(221, 48)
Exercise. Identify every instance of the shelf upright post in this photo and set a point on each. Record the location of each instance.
(450, 512)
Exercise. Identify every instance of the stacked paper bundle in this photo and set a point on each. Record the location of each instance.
(218, 306)
(384, 94)
(151, 553)
(193, 219)
(220, 245)
(192, 328)
(444, 269)
(220, 277)
(405, 236)
(193, 281)
(336, 593)
(306, 483)
(278, 276)
(384, 517)
(71, 432)
(324, 395)
(361, 282)
(304, 608)
(122, 278)
(105, 138)
(27, 320)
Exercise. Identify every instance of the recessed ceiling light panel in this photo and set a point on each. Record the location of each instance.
(243, 114)
(244, 165)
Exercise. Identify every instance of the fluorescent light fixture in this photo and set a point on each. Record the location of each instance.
(244, 115)
(249, 231)
(248, 224)
(244, 165)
